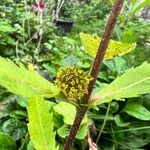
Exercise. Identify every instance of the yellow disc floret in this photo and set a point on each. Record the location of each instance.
(73, 82)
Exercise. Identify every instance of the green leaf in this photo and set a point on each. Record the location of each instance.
(63, 131)
(128, 36)
(26, 83)
(137, 111)
(30, 146)
(22, 101)
(132, 83)
(6, 27)
(111, 2)
(15, 128)
(115, 48)
(81, 134)
(6, 142)
(117, 65)
(70, 60)
(6, 106)
(120, 64)
(134, 139)
(119, 121)
(67, 110)
(18, 114)
(41, 125)
(140, 6)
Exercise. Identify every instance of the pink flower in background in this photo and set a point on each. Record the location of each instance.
(41, 5)
(38, 7)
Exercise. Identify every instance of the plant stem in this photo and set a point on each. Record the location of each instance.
(37, 50)
(17, 56)
(78, 119)
(104, 43)
(95, 70)
(131, 129)
(104, 123)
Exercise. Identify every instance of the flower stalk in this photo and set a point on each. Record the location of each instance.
(95, 71)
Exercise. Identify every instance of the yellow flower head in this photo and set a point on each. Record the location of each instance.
(73, 82)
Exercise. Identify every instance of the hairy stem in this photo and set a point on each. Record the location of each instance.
(78, 119)
(104, 43)
(95, 70)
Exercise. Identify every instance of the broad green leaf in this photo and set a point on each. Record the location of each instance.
(63, 131)
(81, 134)
(6, 27)
(132, 83)
(26, 83)
(18, 114)
(30, 146)
(41, 125)
(22, 101)
(119, 122)
(15, 128)
(137, 110)
(68, 111)
(129, 36)
(115, 48)
(6, 142)
(135, 139)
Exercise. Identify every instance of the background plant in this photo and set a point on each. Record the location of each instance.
(120, 124)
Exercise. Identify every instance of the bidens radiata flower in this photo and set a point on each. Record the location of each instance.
(73, 82)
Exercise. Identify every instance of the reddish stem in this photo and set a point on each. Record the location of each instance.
(95, 70)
